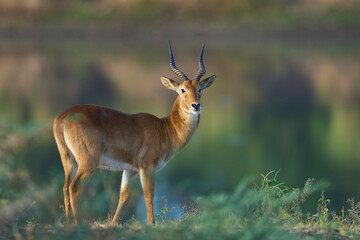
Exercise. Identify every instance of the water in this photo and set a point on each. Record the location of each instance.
(279, 104)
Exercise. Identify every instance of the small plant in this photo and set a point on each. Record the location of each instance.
(187, 211)
(303, 195)
(268, 183)
(322, 209)
(353, 216)
(162, 215)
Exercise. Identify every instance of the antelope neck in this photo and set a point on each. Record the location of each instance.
(182, 124)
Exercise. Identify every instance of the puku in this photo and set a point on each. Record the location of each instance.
(90, 137)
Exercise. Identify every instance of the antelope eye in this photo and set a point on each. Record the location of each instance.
(183, 90)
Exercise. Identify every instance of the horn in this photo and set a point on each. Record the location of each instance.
(173, 66)
(202, 68)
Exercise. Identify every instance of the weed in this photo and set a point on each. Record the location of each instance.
(162, 215)
(353, 216)
(322, 209)
(269, 184)
(188, 210)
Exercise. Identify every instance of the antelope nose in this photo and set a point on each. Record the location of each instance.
(196, 106)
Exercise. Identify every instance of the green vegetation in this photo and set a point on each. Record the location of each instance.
(287, 97)
(265, 209)
(256, 12)
(294, 136)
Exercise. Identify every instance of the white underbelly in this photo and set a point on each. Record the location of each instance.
(109, 163)
(161, 164)
(114, 165)
(163, 161)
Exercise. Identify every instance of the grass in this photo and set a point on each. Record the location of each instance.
(265, 209)
(261, 208)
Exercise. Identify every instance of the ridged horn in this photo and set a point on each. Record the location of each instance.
(202, 68)
(173, 66)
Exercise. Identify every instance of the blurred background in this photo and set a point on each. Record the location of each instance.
(287, 94)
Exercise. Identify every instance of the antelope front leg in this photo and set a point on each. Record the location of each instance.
(125, 194)
(147, 178)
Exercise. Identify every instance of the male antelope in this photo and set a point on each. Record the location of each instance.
(90, 137)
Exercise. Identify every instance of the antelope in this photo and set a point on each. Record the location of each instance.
(89, 137)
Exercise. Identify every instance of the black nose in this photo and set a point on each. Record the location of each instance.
(196, 106)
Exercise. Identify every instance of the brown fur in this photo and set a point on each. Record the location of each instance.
(84, 133)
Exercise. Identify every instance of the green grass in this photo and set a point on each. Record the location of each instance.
(264, 209)
(257, 209)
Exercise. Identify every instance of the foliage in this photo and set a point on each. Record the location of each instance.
(270, 210)
(265, 209)
(266, 12)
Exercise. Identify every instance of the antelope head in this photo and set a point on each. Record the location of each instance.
(189, 90)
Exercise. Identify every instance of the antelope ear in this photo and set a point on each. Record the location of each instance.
(170, 84)
(207, 82)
